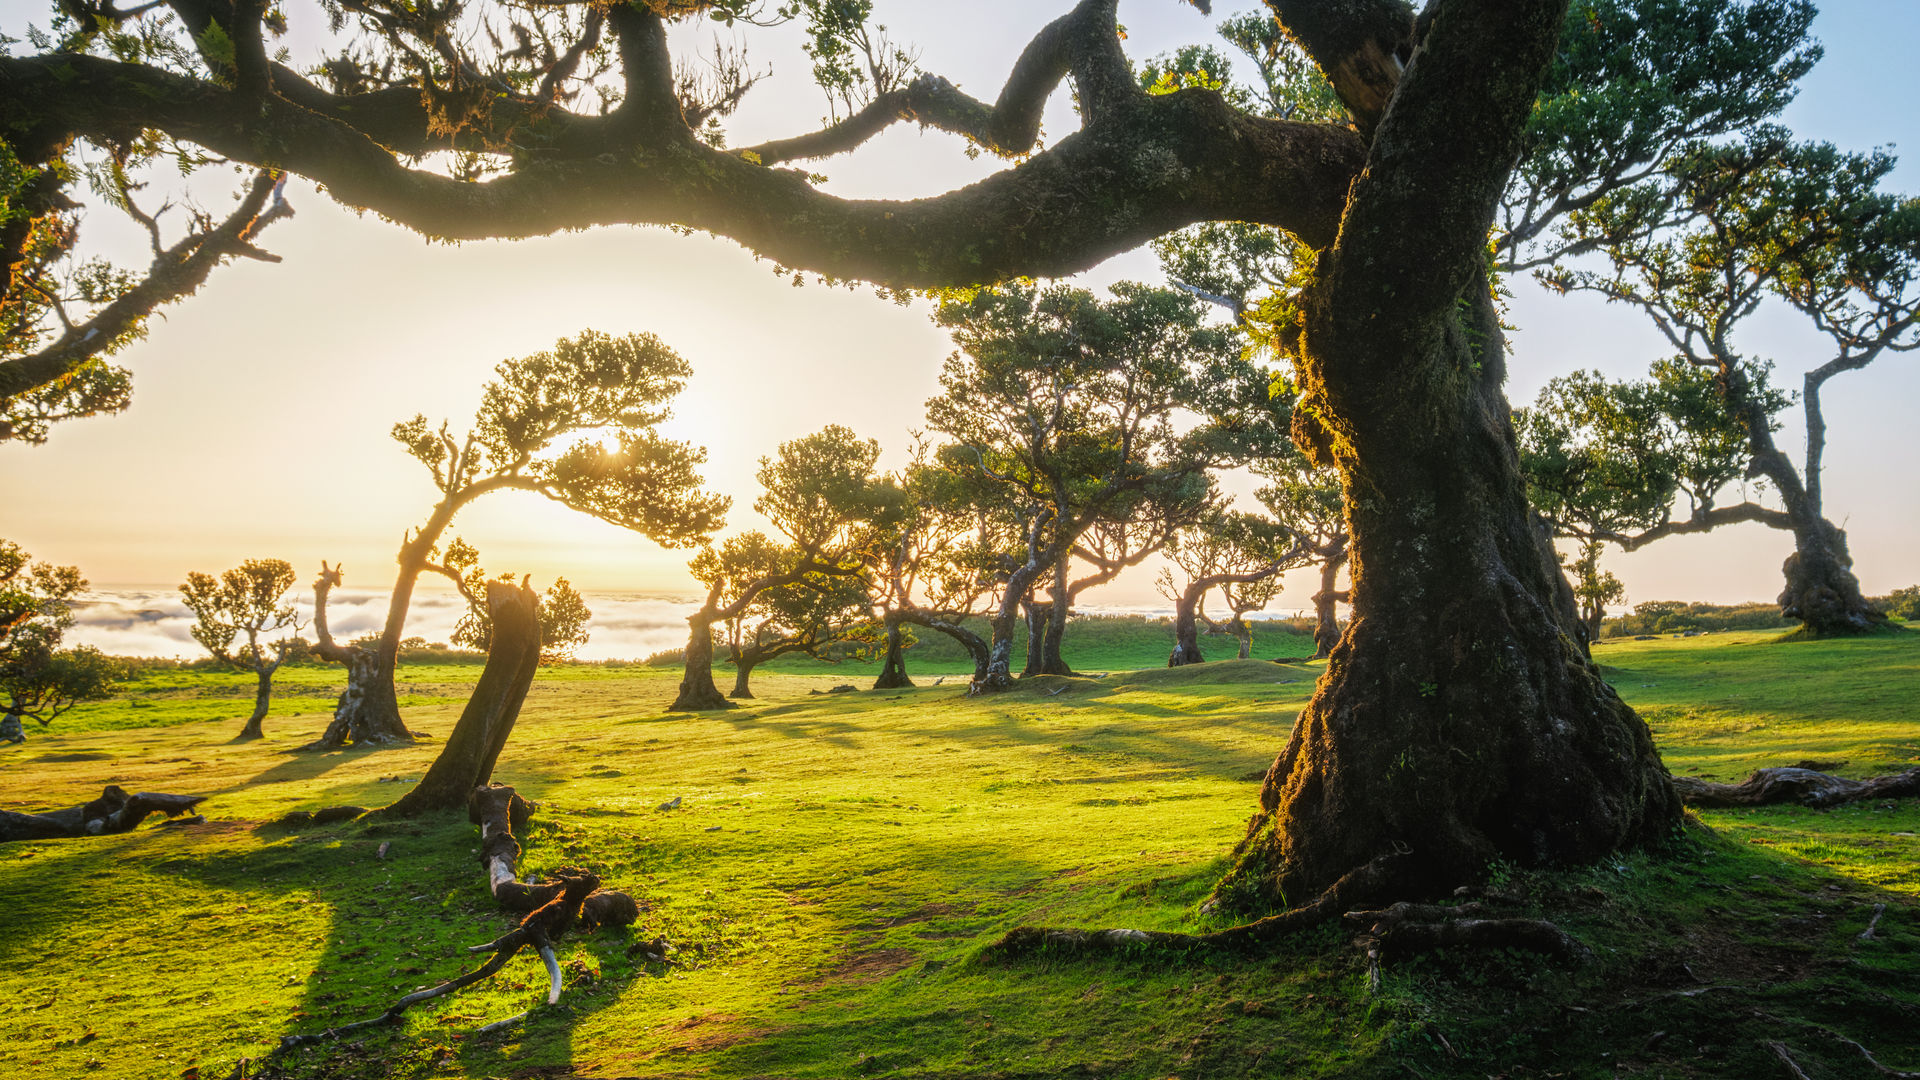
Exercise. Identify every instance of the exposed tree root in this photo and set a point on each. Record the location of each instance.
(114, 811)
(1792, 784)
(552, 907)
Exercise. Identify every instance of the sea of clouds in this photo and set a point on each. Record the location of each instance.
(151, 621)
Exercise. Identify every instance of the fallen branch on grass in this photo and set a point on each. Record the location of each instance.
(1792, 784)
(114, 811)
(540, 929)
(552, 907)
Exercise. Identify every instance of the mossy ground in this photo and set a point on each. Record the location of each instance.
(837, 863)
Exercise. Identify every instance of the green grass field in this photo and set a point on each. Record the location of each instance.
(837, 863)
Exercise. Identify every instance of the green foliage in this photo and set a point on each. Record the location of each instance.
(853, 61)
(1676, 617)
(1901, 603)
(250, 599)
(1635, 85)
(38, 678)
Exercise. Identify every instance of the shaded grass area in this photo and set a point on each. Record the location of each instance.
(837, 862)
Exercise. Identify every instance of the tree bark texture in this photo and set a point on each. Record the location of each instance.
(1459, 721)
(1039, 621)
(114, 811)
(1051, 660)
(697, 691)
(368, 712)
(468, 759)
(893, 670)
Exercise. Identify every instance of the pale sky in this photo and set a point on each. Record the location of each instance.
(261, 405)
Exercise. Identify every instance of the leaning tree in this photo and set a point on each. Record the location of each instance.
(1458, 721)
(1771, 219)
(250, 599)
(605, 394)
(563, 611)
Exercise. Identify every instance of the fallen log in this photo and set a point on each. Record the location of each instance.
(1792, 784)
(114, 811)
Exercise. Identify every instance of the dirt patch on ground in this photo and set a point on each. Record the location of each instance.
(1715, 955)
(860, 968)
(706, 1033)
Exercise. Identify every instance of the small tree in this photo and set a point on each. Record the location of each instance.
(821, 491)
(810, 617)
(608, 394)
(39, 678)
(250, 599)
(1243, 555)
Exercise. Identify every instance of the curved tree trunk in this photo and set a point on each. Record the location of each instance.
(893, 671)
(1821, 590)
(1244, 637)
(1459, 721)
(467, 760)
(368, 712)
(697, 691)
(1326, 622)
(979, 650)
(262, 697)
(1186, 627)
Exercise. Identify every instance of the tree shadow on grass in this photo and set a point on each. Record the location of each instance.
(395, 924)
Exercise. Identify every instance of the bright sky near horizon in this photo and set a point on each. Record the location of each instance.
(261, 406)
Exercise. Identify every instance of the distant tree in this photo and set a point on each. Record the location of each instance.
(822, 493)
(250, 599)
(39, 678)
(1239, 553)
(817, 616)
(598, 389)
(1075, 409)
(563, 611)
(1802, 223)
(1610, 462)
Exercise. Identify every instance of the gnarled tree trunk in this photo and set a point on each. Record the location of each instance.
(368, 712)
(1459, 721)
(1051, 660)
(1039, 618)
(467, 760)
(697, 691)
(262, 698)
(893, 670)
(742, 674)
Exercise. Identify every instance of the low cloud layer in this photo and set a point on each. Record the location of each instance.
(153, 622)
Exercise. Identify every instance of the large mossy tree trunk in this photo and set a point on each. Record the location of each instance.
(468, 759)
(893, 670)
(368, 711)
(1459, 721)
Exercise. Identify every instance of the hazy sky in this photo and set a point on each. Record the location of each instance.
(261, 406)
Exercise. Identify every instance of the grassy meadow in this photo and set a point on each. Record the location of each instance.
(838, 861)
